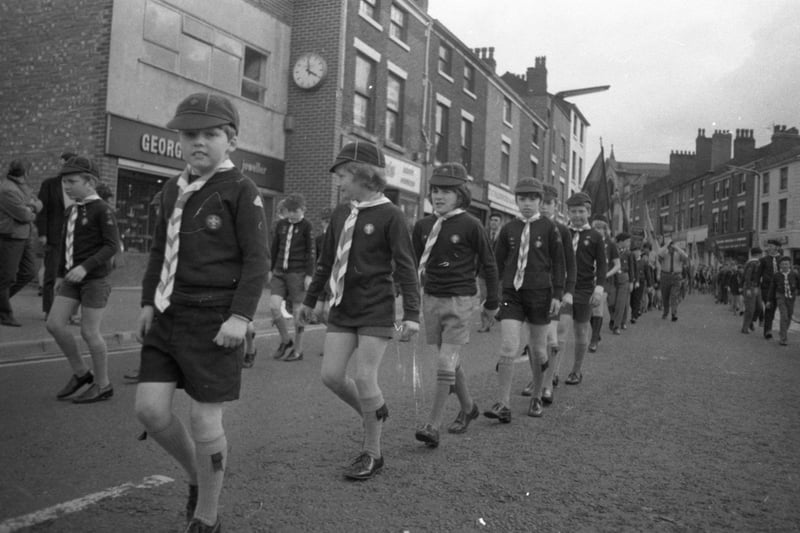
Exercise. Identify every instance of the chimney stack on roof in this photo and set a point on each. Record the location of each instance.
(784, 139)
(744, 146)
(537, 77)
(720, 148)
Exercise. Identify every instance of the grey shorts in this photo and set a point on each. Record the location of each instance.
(447, 319)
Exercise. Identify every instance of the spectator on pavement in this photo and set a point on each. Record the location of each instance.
(18, 208)
(782, 293)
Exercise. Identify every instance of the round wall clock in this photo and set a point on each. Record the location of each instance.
(309, 70)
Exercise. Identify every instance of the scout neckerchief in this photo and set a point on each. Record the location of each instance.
(433, 235)
(576, 234)
(787, 288)
(70, 238)
(336, 282)
(170, 264)
(289, 233)
(524, 247)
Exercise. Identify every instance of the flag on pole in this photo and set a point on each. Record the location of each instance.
(598, 187)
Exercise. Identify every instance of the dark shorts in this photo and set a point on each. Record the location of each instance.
(367, 331)
(289, 286)
(92, 293)
(581, 312)
(180, 348)
(531, 305)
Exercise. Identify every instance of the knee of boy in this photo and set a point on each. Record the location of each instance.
(151, 416)
(447, 360)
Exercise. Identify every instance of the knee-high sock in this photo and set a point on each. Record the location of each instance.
(552, 364)
(212, 456)
(444, 380)
(176, 441)
(505, 374)
(597, 326)
(372, 425)
(462, 391)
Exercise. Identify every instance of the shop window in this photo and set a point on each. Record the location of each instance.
(138, 197)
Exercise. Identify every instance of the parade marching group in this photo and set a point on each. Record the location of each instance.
(545, 278)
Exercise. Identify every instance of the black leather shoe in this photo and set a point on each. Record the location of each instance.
(429, 435)
(196, 526)
(535, 408)
(547, 396)
(767, 335)
(592, 347)
(461, 423)
(499, 412)
(364, 467)
(95, 394)
(74, 384)
(574, 378)
(674, 318)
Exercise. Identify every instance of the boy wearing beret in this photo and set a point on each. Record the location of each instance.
(293, 251)
(590, 261)
(782, 292)
(450, 246)
(89, 243)
(561, 323)
(366, 246)
(530, 260)
(600, 224)
(624, 282)
(206, 271)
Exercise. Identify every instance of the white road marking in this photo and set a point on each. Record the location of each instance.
(37, 517)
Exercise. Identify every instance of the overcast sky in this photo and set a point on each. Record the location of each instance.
(674, 65)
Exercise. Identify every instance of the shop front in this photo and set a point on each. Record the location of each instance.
(502, 201)
(147, 156)
(733, 246)
(403, 183)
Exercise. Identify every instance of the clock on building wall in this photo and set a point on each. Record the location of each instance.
(309, 70)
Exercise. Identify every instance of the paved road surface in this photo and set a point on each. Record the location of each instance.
(681, 426)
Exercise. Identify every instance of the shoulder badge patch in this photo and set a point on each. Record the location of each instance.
(369, 229)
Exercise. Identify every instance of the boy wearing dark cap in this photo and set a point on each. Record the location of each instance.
(782, 292)
(451, 245)
(751, 291)
(89, 243)
(768, 267)
(623, 283)
(205, 275)
(530, 260)
(590, 260)
(293, 255)
(600, 224)
(366, 246)
(560, 324)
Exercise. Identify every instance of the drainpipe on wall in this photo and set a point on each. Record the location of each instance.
(426, 121)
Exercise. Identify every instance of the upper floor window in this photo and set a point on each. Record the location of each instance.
(765, 216)
(505, 161)
(726, 187)
(466, 144)
(394, 109)
(784, 179)
(664, 200)
(445, 59)
(442, 132)
(254, 75)
(368, 8)
(397, 23)
(563, 150)
(507, 110)
(716, 191)
(782, 213)
(535, 134)
(364, 97)
(534, 169)
(742, 183)
(469, 78)
(765, 183)
(740, 218)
